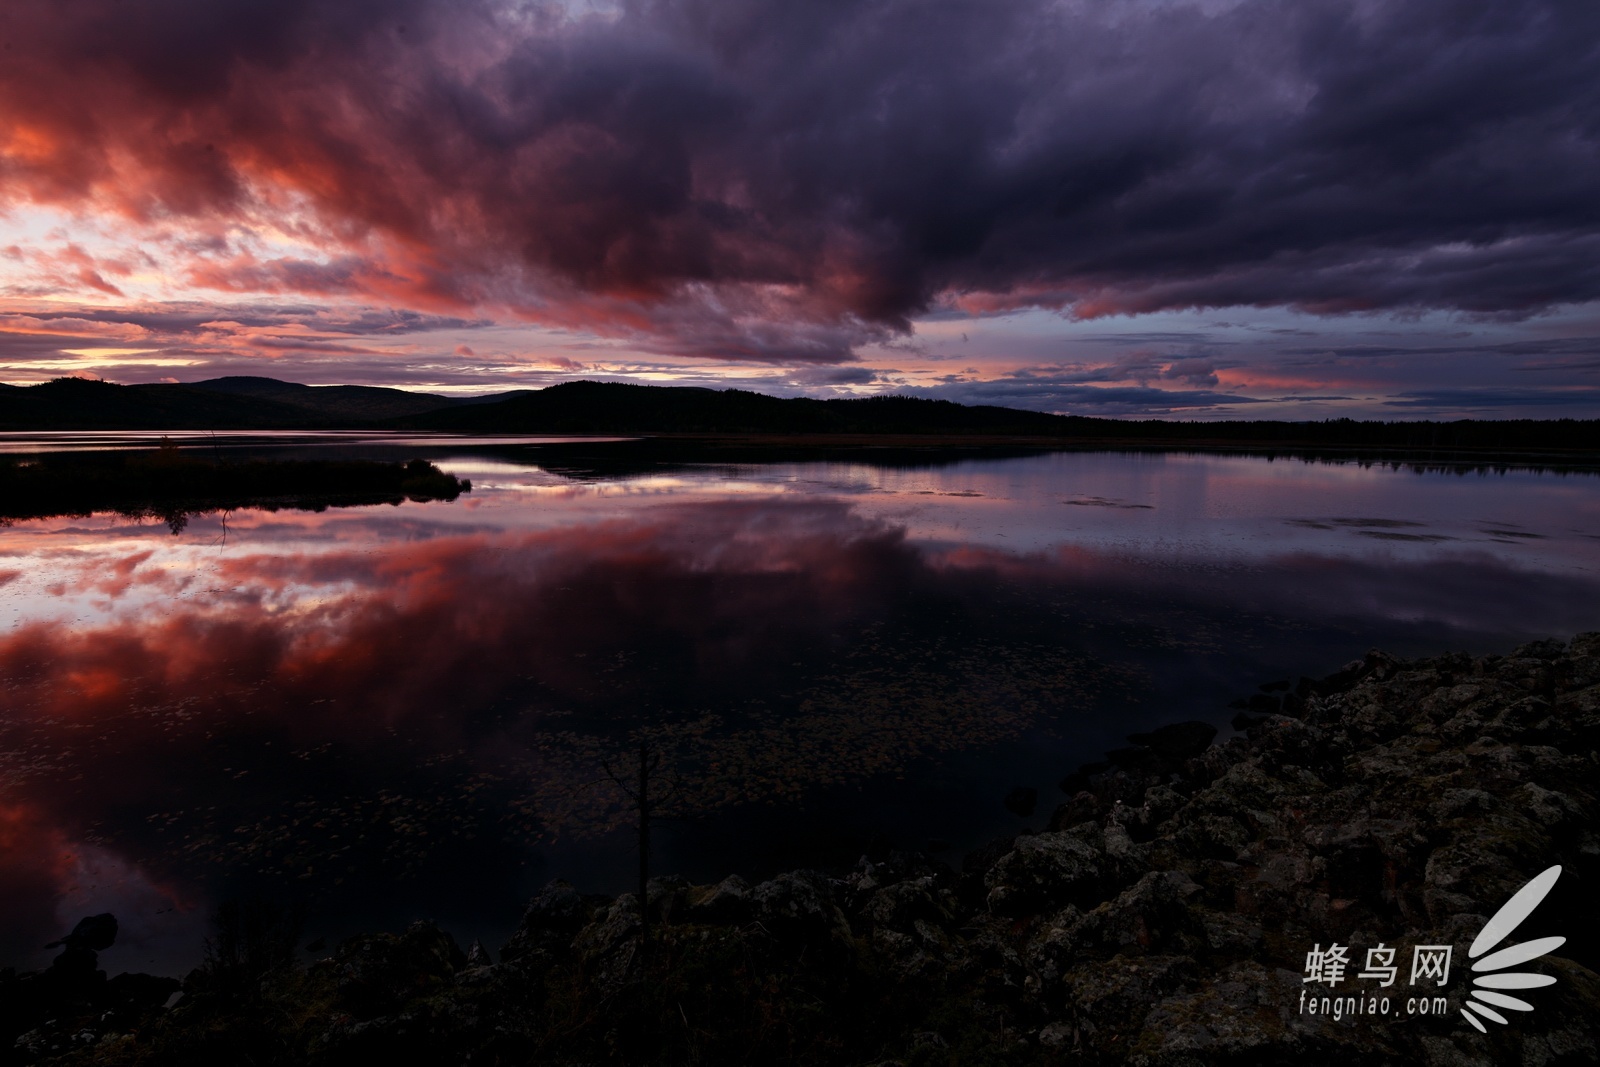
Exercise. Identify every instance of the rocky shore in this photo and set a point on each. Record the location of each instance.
(1164, 917)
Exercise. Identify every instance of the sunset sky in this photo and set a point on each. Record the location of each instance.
(1183, 208)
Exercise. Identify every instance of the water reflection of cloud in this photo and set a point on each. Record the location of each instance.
(35, 864)
(219, 697)
(132, 712)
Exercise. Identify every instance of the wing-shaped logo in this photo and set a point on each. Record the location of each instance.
(1491, 970)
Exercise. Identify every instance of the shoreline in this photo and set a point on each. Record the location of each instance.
(1160, 919)
(172, 484)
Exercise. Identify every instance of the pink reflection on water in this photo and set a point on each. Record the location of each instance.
(129, 653)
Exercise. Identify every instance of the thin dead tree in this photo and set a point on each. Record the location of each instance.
(637, 787)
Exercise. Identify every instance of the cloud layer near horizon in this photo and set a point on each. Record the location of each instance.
(785, 183)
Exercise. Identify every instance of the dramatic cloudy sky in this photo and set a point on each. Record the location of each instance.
(1192, 208)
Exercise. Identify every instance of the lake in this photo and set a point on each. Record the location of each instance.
(385, 713)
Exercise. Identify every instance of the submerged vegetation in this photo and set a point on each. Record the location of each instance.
(172, 484)
(1161, 918)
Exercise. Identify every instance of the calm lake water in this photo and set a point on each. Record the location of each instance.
(386, 713)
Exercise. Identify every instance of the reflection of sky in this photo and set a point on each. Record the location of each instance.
(131, 656)
(1243, 507)
(1153, 506)
(1200, 506)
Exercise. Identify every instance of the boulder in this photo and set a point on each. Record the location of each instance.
(801, 908)
(1046, 871)
(726, 902)
(94, 934)
(1083, 807)
(373, 974)
(551, 921)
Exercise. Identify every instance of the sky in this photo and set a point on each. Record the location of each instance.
(1138, 208)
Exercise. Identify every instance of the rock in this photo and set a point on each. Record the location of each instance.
(476, 976)
(141, 991)
(901, 905)
(1238, 1017)
(991, 968)
(1548, 649)
(552, 920)
(373, 974)
(669, 897)
(1154, 916)
(895, 867)
(478, 956)
(1022, 800)
(1232, 936)
(609, 945)
(421, 1034)
(1056, 1036)
(1125, 859)
(1082, 808)
(1110, 1000)
(1161, 803)
(979, 861)
(800, 907)
(1162, 921)
(94, 934)
(726, 902)
(75, 973)
(1046, 871)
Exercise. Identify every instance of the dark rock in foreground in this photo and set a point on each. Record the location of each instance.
(1164, 920)
(71, 1005)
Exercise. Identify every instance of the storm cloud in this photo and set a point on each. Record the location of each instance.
(766, 181)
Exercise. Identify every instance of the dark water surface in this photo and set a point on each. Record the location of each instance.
(386, 713)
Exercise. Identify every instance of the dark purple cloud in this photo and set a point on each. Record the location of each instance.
(770, 181)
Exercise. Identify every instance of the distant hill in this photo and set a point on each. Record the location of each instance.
(218, 404)
(81, 404)
(586, 407)
(363, 403)
(611, 407)
(606, 407)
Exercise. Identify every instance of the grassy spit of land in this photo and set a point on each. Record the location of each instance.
(171, 484)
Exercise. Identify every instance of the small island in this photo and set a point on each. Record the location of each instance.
(172, 484)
